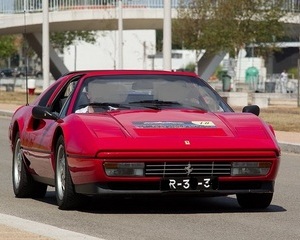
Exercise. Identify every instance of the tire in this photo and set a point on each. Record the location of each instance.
(39, 75)
(23, 184)
(255, 200)
(66, 196)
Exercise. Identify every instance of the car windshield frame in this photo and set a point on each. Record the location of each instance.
(152, 91)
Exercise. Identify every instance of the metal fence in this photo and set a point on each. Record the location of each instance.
(20, 6)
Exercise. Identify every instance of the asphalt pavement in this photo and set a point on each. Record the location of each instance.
(14, 228)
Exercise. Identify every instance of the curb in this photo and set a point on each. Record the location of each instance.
(6, 113)
(38, 230)
(289, 147)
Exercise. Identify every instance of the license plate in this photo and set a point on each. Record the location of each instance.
(204, 183)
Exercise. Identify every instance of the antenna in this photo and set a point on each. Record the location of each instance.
(26, 56)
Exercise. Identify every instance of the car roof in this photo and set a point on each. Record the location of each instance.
(131, 72)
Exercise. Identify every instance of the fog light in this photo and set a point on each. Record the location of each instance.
(124, 169)
(250, 168)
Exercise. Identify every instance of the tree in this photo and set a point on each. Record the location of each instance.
(60, 40)
(159, 41)
(228, 25)
(8, 46)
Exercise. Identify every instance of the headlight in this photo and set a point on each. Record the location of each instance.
(250, 168)
(124, 169)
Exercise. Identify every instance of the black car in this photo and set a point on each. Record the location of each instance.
(8, 72)
(23, 71)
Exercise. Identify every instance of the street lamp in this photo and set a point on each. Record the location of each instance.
(120, 30)
(167, 37)
(46, 47)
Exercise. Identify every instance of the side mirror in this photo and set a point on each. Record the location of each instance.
(39, 112)
(252, 109)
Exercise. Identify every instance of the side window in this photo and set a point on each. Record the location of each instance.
(63, 96)
(44, 100)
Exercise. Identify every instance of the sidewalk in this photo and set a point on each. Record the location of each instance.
(288, 141)
(15, 228)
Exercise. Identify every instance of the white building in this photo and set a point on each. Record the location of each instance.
(139, 52)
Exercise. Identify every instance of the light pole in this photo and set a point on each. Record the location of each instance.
(120, 30)
(298, 90)
(167, 37)
(46, 51)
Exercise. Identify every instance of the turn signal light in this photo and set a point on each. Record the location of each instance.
(116, 169)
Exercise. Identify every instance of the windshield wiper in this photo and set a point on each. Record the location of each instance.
(155, 104)
(108, 106)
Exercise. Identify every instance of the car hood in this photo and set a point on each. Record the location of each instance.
(181, 129)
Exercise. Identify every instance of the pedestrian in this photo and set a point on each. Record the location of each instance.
(283, 81)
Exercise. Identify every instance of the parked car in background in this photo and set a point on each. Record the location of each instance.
(8, 72)
(140, 132)
(22, 71)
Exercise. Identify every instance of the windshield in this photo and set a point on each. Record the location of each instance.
(107, 93)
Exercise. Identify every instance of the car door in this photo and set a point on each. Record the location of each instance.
(40, 133)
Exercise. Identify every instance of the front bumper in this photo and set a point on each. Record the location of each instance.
(89, 176)
(134, 188)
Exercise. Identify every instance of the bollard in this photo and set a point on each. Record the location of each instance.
(31, 86)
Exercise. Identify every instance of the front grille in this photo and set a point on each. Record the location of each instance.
(178, 169)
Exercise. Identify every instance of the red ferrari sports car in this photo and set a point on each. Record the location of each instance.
(140, 132)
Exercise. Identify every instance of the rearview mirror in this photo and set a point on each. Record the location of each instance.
(39, 112)
(252, 109)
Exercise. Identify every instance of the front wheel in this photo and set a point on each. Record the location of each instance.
(66, 196)
(255, 200)
(23, 183)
